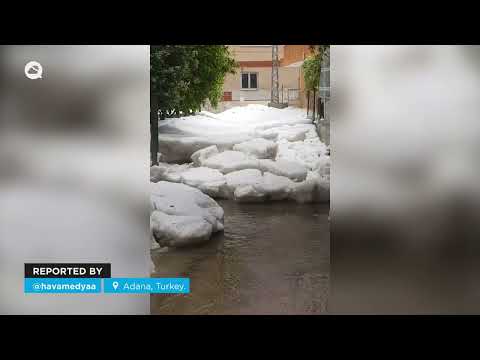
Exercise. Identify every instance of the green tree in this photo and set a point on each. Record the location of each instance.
(312, 66)
(182, 78)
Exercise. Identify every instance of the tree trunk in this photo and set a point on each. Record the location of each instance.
(153, 130)
(308, 101)
(314, 101)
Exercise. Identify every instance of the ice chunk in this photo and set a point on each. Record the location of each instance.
(268, 134)
(244, 178)
(167, 172)
(276, 187)
(201, 155)
(324, 167)
(229, 161)
(180, 199)
(177, 148)
(288, 132)
(307, 152)
(248, 193)
(250, 186)
(180, 148)
(197, 176)
(303, 192)
(154, 244)
(259, 148)
(294, 134)
(179, 230)
(290, 169)
(315, 188)
(210, 181)
(157, 173)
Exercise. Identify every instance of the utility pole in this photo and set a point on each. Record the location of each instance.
(274, 101)
(274, 98)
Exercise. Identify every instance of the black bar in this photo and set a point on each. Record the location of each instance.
(67, 270)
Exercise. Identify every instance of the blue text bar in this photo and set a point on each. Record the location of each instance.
(147, 285)
(62, 285)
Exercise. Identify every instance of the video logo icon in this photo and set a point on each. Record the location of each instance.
(33, 70)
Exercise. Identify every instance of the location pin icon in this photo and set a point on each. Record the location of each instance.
(115, 285)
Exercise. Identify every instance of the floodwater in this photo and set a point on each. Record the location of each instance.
(272, 258)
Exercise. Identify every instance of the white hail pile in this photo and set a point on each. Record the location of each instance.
(249, 154)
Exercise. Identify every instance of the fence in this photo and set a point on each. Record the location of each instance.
(290, 96)
(316, 105)
(318, 101)
(317, 110)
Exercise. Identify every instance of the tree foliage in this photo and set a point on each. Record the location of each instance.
(183, 77)
(312, 66)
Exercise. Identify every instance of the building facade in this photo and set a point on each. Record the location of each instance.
(253, 80)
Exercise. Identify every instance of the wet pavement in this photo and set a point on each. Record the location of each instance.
(272, 258)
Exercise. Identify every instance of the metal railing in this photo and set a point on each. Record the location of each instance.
(288, 95)
(317, 110)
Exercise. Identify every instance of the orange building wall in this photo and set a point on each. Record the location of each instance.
(294, 53)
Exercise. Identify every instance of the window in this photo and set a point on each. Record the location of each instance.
(249, 81)
(253, 80)
(245, 78)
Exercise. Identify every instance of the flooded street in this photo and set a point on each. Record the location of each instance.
(272, 258)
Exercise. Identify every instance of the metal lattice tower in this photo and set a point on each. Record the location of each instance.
(275, 99)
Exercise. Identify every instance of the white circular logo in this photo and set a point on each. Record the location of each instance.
(33, 70)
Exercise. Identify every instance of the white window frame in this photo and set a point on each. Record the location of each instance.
(241, 82)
